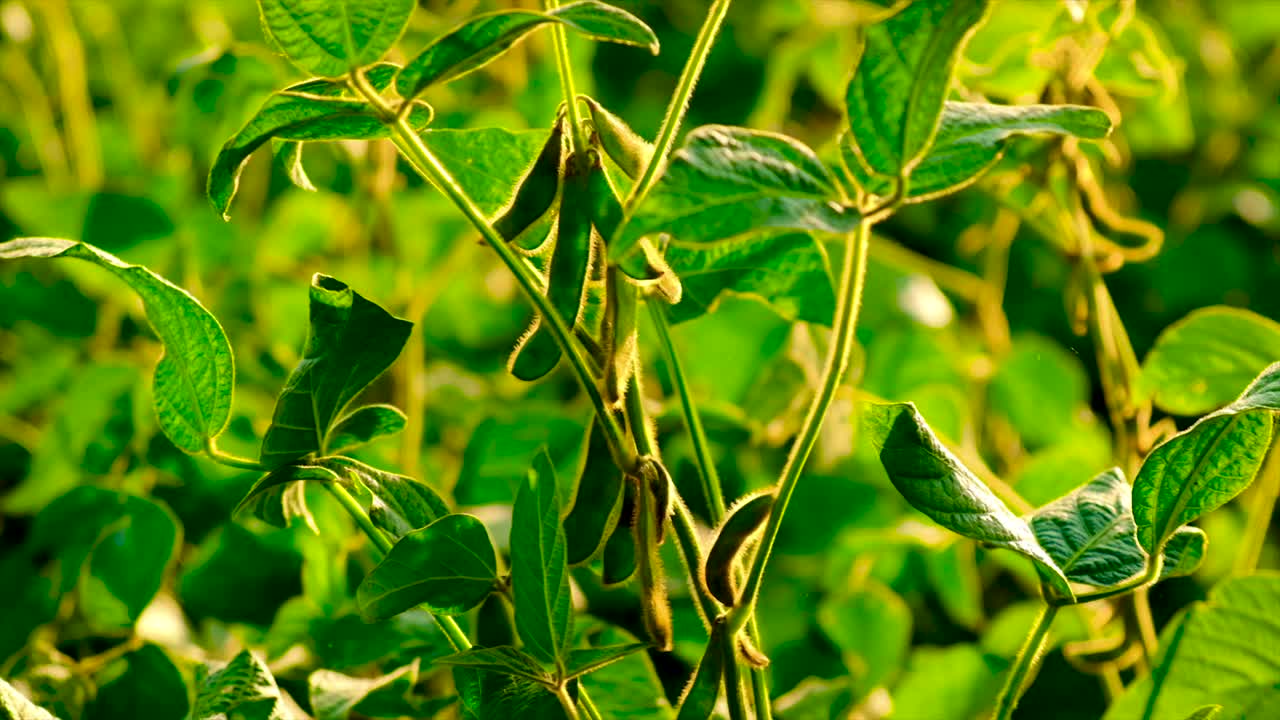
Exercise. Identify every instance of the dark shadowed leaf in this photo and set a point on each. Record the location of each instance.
(400, 504)
(351, 341)
(332, 37)
(1225, 651)
(937, 484)
(1199, 363)
(195, 377)
(279, 496)
(699, 698)
(790, 272)
(587, 660)
(539, 570)
(144, 683)
(900, 82)
(871, 626)
(448, 567)
(727, 182)
(1201, 468)
(503, 659)
(971, 138)
(597, 502)
(363, 425)
(483, 38)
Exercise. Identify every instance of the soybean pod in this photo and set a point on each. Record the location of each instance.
(536, 193)
(648, 266)
(537, 352)
(627, 149)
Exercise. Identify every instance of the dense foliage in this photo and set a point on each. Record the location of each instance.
(842, 359)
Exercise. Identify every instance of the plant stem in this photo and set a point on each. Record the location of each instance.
(216, 455)
(452, 632)
(711, 488)
(1024, 663)
(578, 137)
(1261, 506)
(848, 300)
(566, 703)
(679, 104)
(592, 712)
(429, 166)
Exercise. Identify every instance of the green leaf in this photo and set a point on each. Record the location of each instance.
(335, 696)
(1203, 467)
(480, 40)
(1039, 387)
(486, 162)
(278, 497)
(937, 484)
(587, 660)
(815, 699)
(790, 272)
(244, 687)
(597, 500)
(699, 698)
(311, 111)
(958, 677)
(332, 37)
(144, 683)
(503, 659)
(895, 98)
(351, 341)
(195, 377)
(1184, 552)
(289, 154)
(726, 182)
(871, 626)
(1225, 651)
(539, 570)
(15, 706)
(114, 547)
(448, 567)
(739, 527)
(1199, 363)
(400, 504)
(1208, 712)
(970, 138)
(364, 425)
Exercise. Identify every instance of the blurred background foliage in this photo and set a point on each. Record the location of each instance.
(119, 563)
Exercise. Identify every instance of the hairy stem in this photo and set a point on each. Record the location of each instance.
(852, 277)
(1024, 663)
(679, 104)
(566, 702)
(1261, 506)
(429, 166)
(578, 137)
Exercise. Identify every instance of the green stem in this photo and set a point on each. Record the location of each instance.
(452, 632)
(1261, 506)
(216, 455)
(687, 541)
(1024, 663)
(733, 690)
(679, 104)
(566, 703)
(429, 166)
(578, 137)
(1154, 568)
(589, 708)
(711, 488)
(852, 278)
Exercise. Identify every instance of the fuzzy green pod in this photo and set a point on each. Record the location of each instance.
(698, 701)
(606, 215)
(535, 195)
(537, 352)
(620, 142)
(740, 525)
(651, 515)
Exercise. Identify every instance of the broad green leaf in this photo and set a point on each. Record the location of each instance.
(726, 182)
(970, 139)
(243, 688)
(1199, 363)
(587, 660)
(1203, 467)
(699, 698)
(1039, 387)
(114, 547)
(480, 40)
(487, 695)
(619, 557)
(1090, 533)
(816, 699)
(332, 37)
(960, 678)
(597, 501)
(144, 683)
(741, 524)
(486, 162)
(502, 448)
(790, 272)
(351, 341)
(937, 484)
(448, 567)
(628, 689)
(15, 706)
(309, 111)
(335, 696)
(278, 497)
(871, 626)
(400, 504)
(195, 377)
(503, 659)
(895, 98)
(1225, 651)
(539, 570)
(364, 425)
(240, 576)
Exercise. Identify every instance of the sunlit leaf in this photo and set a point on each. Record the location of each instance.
(335, 696)
(539, 570)
(331, 37)
(364, 425)
(15, 706)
